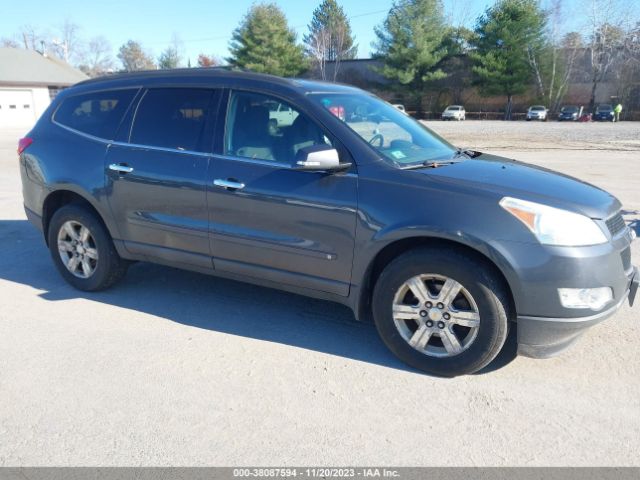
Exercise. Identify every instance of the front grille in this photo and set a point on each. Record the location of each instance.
(616, 224)
(626, 259)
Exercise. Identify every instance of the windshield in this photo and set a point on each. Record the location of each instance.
(569, 109)
(454, 107)
(400, 139)
(537, 108)
(603, 108)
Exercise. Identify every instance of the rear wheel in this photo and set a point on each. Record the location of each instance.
(82, 249)
(441, 311)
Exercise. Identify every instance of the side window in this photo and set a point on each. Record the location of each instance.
(174, 118)
(256, 128)
(97, 113)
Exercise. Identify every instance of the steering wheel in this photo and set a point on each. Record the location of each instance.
(377, 137)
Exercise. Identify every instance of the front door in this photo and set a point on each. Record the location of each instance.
(156, 182)
(270, 221)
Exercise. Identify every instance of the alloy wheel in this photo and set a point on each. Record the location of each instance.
(77, 249)
(436, 315)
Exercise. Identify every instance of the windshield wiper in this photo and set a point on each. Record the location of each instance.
(460, 152)
(466, 152)
(430, 164)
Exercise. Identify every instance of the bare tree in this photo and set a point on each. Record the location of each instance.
(570, 47)
(329, 38)
(32, 38)
(97, 57)
(317, 47)
(605, 21)
(9, 42)
(66, 43)
(627, 71)
(553, 65)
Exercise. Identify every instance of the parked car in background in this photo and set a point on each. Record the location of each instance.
(569, 113)
(604, 113)
(537, 112)
(442, 247)
(281, 115)
(454, 112)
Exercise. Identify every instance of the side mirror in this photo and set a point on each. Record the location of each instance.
(319, 158)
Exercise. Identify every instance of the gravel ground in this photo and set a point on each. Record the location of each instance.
(176, 368)
(551, 135)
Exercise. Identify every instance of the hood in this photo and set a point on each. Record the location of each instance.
(507, 177)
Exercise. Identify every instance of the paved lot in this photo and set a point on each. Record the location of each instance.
(176, 368)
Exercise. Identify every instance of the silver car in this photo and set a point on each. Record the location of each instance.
(454, 112)
(537, 112)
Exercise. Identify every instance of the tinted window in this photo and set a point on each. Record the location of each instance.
(261, 127)
(97, 113)
(174, 118)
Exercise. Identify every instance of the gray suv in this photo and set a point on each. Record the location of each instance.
(350, 201)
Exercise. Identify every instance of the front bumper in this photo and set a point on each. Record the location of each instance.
(544, 337)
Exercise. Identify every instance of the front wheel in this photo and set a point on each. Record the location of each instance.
(441, 311)
(82, 249)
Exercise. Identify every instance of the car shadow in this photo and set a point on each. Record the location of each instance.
(207, 302)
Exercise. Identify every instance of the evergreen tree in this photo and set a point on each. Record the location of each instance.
(133, 57)
(411, 44)
(169, 59)
(329, 38)
(507, 35)
(264, 43)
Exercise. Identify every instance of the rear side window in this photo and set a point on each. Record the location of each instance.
(97, 113)
(174, 118)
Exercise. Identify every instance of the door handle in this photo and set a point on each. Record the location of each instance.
(120, 168)
(228, 184)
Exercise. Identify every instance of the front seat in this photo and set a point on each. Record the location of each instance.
(251, 134)
(302, 133)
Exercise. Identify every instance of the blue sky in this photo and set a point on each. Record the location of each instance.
(203, 25)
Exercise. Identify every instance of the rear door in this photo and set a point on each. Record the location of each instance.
(156, 181)
(270, 221)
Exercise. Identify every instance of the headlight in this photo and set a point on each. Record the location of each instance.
(553, 226)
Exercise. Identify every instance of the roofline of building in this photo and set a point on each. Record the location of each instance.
(35, 84)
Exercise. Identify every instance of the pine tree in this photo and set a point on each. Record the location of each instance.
(264, 43)
(506, 36)
(411, 44)
(329, 38)
(133, 57)
(169, 59)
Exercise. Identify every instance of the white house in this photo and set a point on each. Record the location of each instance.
(28, 82)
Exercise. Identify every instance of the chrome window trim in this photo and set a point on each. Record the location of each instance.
(268, 163)
(160, 149)
(108, 143)
(82, 134)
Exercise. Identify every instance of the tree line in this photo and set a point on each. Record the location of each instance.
(515, 46)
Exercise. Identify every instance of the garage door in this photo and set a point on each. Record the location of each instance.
(16, 108)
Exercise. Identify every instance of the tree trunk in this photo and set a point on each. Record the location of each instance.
(592, 101)
(507, 115)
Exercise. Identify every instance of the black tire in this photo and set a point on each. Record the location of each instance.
(109, 268)
(476, 277)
